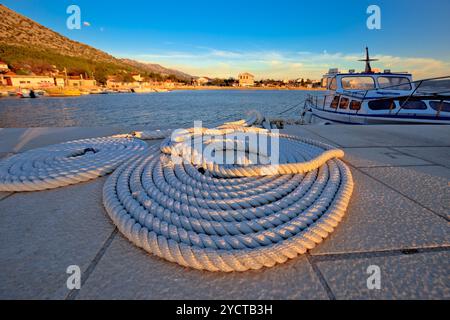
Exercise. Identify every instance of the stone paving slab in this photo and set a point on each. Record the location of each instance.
(429, 186)
(384, 135)
(414, 276)
(436, 155)
(127, 272)
(301, 131)
(42, 233)
(379, 218)
(380, 157)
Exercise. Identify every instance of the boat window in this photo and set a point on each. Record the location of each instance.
(438, 105)
(334, 104)
(413, 105)
(333, 85)
(383, 104)
(344, 103)
(394, 83)
(355, 105)
(358, 83)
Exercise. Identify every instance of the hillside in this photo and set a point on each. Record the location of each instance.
(156, 68)
(28, 47)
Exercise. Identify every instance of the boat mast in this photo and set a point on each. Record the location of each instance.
(367, 60)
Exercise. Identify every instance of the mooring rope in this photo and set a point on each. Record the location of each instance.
(299, 155)
(248, 214)
(254, 119)
(245, 221)
(66, 163)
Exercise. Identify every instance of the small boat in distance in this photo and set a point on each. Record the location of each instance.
(25, 93)
(379, 98)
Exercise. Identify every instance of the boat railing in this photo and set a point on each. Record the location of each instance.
(432, 88)
(434, 92)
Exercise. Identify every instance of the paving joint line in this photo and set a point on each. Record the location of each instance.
(72, 295)
(397, 191)
(417, 157)
(397, 166)
(8, 195)
(378, 253)
(321, 277)
(329, 141)
(384, 146)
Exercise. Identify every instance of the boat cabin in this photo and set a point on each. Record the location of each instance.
(380, 97)
(344, 82)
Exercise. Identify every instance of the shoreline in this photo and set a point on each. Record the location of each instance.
(65, 93)
(207, 88)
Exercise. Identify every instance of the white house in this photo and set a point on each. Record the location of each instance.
(202, 81)
(246, 79)
(3, 66)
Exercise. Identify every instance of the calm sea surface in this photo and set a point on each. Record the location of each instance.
(156, 110)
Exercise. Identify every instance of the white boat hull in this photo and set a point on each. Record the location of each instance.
(323, 116)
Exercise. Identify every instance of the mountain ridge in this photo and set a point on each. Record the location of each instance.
(20, 34)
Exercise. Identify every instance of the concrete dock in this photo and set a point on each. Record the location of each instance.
(398, 221)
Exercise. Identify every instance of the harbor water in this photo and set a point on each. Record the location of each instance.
(157, 110)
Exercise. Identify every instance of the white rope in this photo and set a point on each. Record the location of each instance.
(254, 119)
(66, 163)
(191, 217)
(147, 134)
(299, 155)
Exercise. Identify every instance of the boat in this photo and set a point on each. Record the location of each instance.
(373, 97)
(95, 91)
(143, 90)
(161, 90)
(40, 92)
(24, 93)
(60, 92)
(106, 91)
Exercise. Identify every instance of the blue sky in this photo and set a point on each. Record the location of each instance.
(272, 39)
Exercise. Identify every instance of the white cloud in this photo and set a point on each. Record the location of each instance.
(278, 64)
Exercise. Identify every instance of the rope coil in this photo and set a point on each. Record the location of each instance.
(199, 219)
(66, 163)
(202, 214)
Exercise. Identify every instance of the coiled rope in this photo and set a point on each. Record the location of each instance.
(66, 163)
(254, 119)
(248, 220)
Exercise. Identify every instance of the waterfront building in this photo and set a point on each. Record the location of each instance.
(202, 81)
(246, 79)
(80, 82)
(3, 67)
(27, 81)
(60, 82)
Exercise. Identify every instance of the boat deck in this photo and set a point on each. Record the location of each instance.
(398, 220)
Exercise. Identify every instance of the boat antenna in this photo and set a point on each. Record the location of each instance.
(367, 60)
